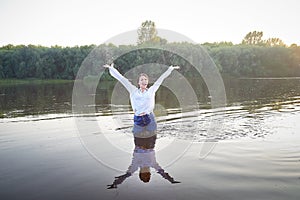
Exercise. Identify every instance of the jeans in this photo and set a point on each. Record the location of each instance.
(151, 127)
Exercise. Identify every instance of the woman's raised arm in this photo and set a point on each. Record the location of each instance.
(159, 81)
(116, 74)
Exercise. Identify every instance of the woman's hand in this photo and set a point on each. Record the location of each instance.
(108, 66)
(175, 67)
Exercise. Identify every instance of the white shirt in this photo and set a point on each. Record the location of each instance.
(141, 102)
(145, 158)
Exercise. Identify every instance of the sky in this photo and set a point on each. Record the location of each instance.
(85, 22)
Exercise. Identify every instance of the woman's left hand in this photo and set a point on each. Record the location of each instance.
(108, 66)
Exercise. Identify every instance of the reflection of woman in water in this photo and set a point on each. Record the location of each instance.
(143, 158)
(144, 129)
(142, 99)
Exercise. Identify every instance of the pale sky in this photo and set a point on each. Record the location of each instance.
(85, 22)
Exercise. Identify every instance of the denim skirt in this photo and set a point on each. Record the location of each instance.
(151, 127)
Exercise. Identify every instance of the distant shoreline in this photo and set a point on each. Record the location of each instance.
(33, 81)
(270, 78)
(6, 82)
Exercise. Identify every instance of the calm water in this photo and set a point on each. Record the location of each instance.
(256, 154)
(41, 100)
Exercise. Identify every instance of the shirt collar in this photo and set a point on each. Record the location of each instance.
(141, 90)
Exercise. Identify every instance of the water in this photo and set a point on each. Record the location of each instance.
(35, 100)
(256, 154)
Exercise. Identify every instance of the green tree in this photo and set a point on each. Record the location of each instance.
(147, 33)
(253, 38)
(274, 42)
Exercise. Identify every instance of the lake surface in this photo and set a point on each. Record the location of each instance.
(36, 101)
(256, 155)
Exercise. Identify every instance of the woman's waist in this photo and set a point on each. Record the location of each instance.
(142, 112)
(143, 115)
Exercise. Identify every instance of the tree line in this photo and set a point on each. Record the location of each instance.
(254, 57)
(40, 62)
(256, 61)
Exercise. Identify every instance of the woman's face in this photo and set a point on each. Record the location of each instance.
(143, 82)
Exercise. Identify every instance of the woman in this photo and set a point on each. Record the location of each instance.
(142, 100)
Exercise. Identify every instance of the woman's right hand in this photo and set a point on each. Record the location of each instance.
(175, 67)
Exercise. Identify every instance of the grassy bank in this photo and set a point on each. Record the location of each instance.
(33, 81)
